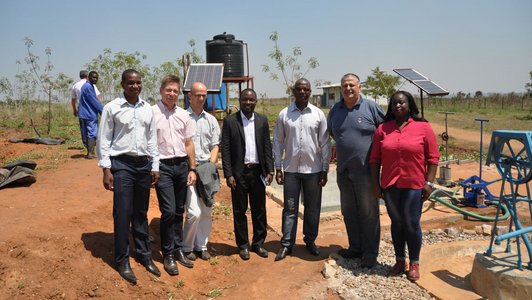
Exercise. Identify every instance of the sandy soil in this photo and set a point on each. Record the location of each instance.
(57, 243)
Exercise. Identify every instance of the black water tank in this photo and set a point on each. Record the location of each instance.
(223, 48)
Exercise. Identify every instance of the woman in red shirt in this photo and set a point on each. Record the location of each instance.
(405, 146)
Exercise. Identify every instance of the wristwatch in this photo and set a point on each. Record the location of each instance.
(429, 184)
(192, 169)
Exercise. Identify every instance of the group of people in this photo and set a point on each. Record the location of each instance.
(392, 155)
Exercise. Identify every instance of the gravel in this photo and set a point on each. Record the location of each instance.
(348, 280)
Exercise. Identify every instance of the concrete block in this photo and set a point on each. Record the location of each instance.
(497, 277)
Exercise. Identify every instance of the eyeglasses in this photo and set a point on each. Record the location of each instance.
(199, 95)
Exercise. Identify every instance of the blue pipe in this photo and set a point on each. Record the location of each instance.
(512, 234)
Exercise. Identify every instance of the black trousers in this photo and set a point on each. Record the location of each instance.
(132, 181)
(172, 194)
(249, 186)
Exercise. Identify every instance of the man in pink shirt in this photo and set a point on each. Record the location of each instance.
(175, 130)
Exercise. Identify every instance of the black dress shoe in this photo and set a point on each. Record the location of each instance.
(203, 254)
(125, 271)
(244, 253)
(368, 262)
(283, 253)
(151, 267)
(170, 266)
(260, 251)
(182, 259)
(346, 253)
(312, 249)
(190, 255)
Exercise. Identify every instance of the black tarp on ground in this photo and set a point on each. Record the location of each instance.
(20, 172)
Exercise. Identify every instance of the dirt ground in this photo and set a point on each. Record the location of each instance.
(57, 243)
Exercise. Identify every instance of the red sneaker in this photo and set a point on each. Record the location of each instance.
(413, 272)
(398, 268)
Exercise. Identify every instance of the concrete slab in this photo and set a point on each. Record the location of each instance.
(497, 276)
(445, 269)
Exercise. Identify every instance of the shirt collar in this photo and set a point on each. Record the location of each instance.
(244, 116)
(190, 111)
(360, 100)
(294, 107)
(123, 101)
(163, 107)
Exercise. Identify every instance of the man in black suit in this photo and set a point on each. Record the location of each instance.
(248, 168)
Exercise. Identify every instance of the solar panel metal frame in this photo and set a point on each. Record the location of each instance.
(209, 74)
(421, 81)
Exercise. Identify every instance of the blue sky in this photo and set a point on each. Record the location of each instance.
(463, 45)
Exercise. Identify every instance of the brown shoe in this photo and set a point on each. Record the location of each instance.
(413, 272)
(398, 268)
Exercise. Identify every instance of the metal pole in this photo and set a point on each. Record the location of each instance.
(481, 146)
(445, 135)
(421, 97)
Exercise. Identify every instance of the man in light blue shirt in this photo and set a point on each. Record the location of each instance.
(128, 155)
(206, 146)
(302, 152)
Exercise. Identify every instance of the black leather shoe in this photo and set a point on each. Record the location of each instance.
(283, 253)
(182, 259)
(368, 262)
(190, 255)
(244, 254)
(260, 251)
(346, 253)
(152, 268)
(125, 271)
(203, 254)
(312, 249)
(170, 266)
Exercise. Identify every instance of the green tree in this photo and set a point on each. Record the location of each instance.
(43, 79)
(110, 66)
(380, 84)
(528, 86)
(287, 69)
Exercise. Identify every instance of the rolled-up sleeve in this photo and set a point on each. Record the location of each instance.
(432, 155)
(279, 141)
(105, 137)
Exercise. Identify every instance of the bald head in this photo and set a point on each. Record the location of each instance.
(198, 86)
(197, 96)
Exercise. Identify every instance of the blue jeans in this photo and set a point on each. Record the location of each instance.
(360, 210)
(293, 182)
(131, 195)
(172, 194)
(404, 208)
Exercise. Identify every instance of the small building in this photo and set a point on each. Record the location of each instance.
(332, 93)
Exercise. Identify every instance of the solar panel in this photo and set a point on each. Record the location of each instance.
(430, 88)
(425, 84)
(209, 74)
(410, 74)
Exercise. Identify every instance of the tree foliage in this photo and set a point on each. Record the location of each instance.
(528, 86)
(110, 66)
(287, 68)
(380, 84)
(49, 84)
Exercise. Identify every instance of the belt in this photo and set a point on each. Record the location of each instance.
(132, 159)
(251, 166)
(173, 160)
